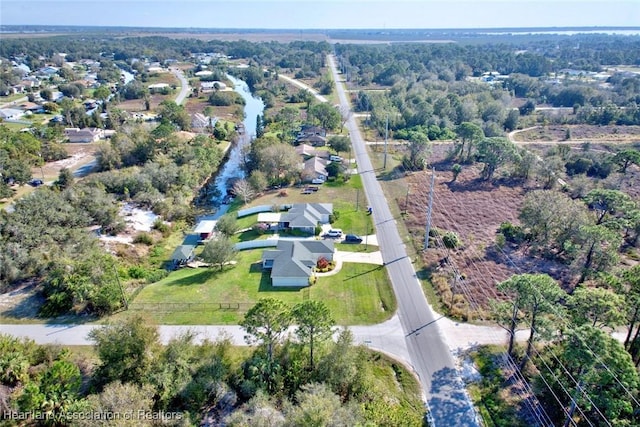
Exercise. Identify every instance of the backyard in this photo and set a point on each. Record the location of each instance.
(358, 294)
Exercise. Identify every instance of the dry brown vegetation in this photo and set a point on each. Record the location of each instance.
(580, 133)
(466, 278)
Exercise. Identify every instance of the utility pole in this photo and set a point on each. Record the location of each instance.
(406, 202)
(428, 229)
(124, 297)
(386, 134)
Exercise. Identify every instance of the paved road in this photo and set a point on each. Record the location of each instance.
(184, 86)
(430, 356)
(303, 86)
(387, 336)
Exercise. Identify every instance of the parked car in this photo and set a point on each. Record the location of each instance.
(334, 232)
(334, 158)
(352, 238)
(36, 182)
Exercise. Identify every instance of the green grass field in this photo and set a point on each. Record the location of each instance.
(358, 294)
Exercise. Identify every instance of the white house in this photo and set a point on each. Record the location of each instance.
(292, 262)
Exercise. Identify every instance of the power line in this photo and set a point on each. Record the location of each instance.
(448, 261)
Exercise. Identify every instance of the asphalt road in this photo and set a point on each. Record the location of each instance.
(445, 394)
(184, 86)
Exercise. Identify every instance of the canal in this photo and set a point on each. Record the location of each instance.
(232, 168)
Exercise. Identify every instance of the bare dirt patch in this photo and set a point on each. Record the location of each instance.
(138, 105)
(474, 210)
(21, 303)
(580, 133)
(79, 154)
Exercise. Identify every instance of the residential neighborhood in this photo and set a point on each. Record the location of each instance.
(384, 227)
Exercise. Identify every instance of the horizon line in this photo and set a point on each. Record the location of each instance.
(580, 27)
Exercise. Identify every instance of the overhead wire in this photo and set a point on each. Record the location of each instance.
(483, 290)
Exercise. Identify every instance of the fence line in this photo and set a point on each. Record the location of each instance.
(253, 244)
(169, 307)
(261, 208)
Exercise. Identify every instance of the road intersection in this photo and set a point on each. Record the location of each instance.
(417, 336)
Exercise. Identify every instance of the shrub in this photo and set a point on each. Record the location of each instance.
(144, 238)
(156, 275)
(137, 272)
(162, 227)
(450, 240)
(512, 233)
(260, 228)
(456, 169)
(322, 263)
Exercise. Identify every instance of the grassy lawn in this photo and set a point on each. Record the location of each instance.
(359, 294)
(13, 97)
(15, 126)
(348, 199)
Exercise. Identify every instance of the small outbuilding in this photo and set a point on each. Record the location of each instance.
(205, 228)
(182, 255)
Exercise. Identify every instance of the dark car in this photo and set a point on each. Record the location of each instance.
(36, 182)
(352, 238)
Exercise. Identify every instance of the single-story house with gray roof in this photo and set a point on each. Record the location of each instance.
(306, 216)
(292, 262)
(315, 168)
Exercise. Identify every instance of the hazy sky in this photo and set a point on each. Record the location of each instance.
(303, 14)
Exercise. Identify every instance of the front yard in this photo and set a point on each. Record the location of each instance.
(358, 294)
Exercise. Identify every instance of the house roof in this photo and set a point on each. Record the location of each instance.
(30, 106)
(10, 112)
(269, 217)
(204, 73)
(305, 150)
(312, 138)
(86, 132)
(213, 84)
(295, 258)
(205, 226)
(316, 165)
(183, 252)
(312, 129)
(306, 214)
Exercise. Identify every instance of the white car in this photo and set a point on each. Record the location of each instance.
(334, 232)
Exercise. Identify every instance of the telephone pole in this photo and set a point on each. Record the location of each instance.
(386, 134)
(429, 208)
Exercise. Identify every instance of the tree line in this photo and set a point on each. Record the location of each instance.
(302, 379)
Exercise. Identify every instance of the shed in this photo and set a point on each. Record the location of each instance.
(269, 217)
(182, 255)
(205, 228)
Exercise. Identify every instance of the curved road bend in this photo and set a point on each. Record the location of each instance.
(445, 393)
(184, 85)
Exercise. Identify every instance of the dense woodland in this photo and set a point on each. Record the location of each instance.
(303, 380)
(588, 228)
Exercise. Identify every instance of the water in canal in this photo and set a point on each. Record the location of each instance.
(232, 169)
